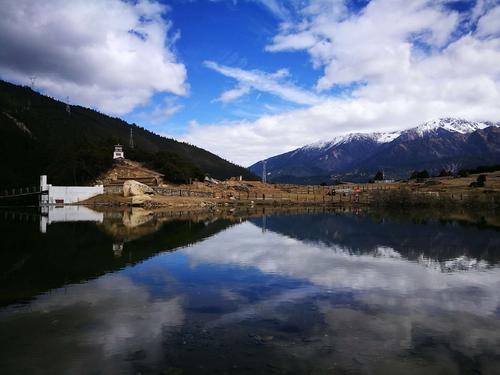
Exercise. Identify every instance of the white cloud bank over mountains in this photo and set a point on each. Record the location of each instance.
(111, 55)
(413, 61)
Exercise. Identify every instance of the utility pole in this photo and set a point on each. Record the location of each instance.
(68, 108)
(131, 141)
(264, 174)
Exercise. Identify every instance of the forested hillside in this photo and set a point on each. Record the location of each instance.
(38, 136)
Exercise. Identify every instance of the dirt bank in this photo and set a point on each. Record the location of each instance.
(439, 191)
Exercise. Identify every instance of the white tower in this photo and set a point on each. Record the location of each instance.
(118, 153)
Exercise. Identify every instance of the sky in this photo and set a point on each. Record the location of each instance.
(249, 79)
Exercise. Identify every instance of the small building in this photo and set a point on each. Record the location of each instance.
(66, 194)
(118, 154)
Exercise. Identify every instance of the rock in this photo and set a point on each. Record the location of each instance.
(139, 200)
(242, 188)
(132, 188)
(137, 216)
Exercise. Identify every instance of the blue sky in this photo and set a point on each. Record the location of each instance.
(249, 79)
(230, 34)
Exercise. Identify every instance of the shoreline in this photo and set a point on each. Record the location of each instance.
(430, 192)
(379, 199)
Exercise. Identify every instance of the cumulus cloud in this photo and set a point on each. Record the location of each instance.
(261, 81)
(111, 55)
(120, 318)
(407, 61)
(489, 25)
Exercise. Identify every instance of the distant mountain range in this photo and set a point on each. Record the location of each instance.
(447, 143)
(38, 136)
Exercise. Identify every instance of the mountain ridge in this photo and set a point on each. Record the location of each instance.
(436, 144)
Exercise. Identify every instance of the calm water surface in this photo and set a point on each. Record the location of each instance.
(85, 292)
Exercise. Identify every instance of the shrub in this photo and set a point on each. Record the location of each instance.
(419, 175)
(444, 173)
(481, 179)
(379, 176)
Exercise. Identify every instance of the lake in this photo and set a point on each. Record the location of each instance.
(252, 291)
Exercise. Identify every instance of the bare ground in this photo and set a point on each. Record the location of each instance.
(251, 193)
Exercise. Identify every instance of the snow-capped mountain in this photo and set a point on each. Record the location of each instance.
(376, 137)
(453, 125)
(433, 145)
(450, 124)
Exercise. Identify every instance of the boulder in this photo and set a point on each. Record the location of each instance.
(137, 216)
(133, 188)
(139, 200)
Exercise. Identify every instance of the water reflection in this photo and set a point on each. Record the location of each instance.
(98, 326)
(309, 293)
(65, 214)
(429, 241)
(34, 262)
(335, 268)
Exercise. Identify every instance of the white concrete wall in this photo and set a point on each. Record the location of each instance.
(43, 182)
(72, 194)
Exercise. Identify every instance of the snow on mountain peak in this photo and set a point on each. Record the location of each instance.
(377, 137)
(451, 124)
(456, 125)
(386, 137)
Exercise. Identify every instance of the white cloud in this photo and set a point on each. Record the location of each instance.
(276, 7)
(233, 94)
(161, 112)
(369, 45)
(407, 61)
(111, 55)
(489, 25)
(261, 81)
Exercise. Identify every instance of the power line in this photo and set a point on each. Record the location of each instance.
(264, 174)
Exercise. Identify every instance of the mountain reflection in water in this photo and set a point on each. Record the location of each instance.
(155, 292)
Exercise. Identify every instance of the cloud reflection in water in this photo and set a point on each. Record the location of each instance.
(93, 326)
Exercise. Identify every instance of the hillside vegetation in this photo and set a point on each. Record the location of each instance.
(38, 136)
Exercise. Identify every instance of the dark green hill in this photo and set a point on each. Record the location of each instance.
(38, 136)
